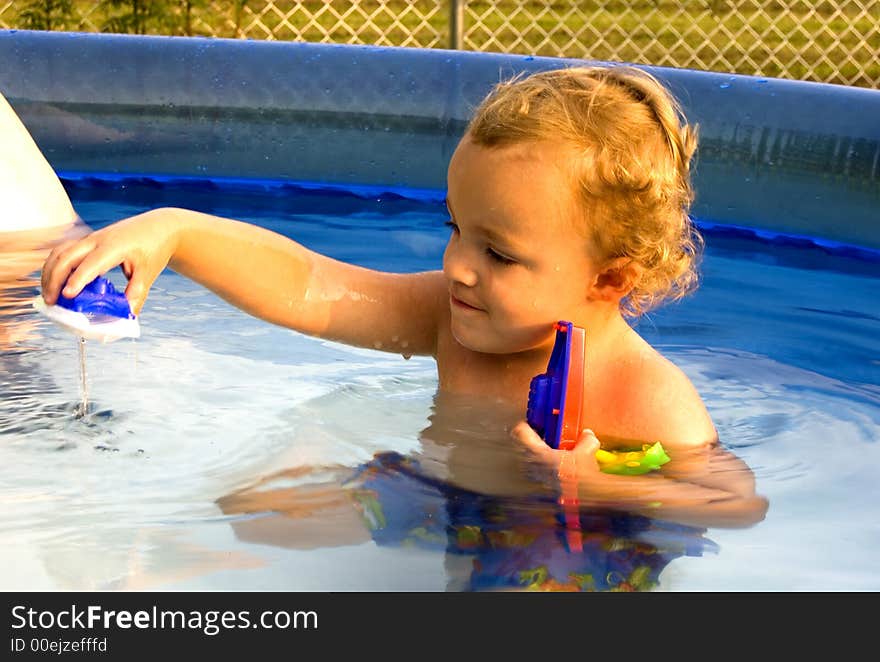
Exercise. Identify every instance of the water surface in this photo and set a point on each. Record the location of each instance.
(209, 404)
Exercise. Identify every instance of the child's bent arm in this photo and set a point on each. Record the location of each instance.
(677, 500)
(708, 488)
(264, 274)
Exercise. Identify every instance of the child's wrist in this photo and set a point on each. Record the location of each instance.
(175, 226)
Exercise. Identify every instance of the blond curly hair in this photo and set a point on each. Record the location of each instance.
(633, 149)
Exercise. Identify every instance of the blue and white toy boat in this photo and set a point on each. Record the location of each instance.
(99, 312)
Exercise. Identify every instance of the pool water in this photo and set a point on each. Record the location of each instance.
(782, 340)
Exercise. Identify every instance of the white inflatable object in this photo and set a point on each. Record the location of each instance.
(105, 328)
(31, 195)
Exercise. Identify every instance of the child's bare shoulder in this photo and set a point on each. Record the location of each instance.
(661, 401)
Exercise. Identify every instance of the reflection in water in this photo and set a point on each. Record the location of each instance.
(22, 387)
(21, 256)
(472, 494)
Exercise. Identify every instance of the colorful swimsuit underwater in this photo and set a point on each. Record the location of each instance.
(513, 543)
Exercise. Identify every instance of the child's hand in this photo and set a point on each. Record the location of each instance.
(143, 245)
(583, 457)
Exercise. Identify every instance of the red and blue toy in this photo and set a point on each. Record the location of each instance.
(556, 403)
(556, 397)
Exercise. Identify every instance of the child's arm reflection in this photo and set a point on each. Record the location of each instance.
(309, 515)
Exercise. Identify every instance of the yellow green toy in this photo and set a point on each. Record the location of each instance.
(632, 463)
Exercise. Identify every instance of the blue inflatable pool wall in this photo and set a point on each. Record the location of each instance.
(794, 157)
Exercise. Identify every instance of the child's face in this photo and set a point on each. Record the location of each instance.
(514, 263)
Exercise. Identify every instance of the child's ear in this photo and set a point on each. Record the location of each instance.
(616, 279)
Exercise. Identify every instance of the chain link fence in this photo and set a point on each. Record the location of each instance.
(833, 41)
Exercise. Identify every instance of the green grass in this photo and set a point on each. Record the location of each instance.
(798, 39)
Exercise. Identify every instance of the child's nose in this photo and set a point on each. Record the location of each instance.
(457, 267)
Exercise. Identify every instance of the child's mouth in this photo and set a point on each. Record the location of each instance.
(458, 303)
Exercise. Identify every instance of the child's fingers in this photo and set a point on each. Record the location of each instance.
(588, 444)
(95, 263)
(49, 269)
(62, 260)
(524, 433)
(585, 452)
(136, 290)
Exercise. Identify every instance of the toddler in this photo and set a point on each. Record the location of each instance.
(568, 199)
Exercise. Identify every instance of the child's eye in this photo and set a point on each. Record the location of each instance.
(498, 257)
(452, 224)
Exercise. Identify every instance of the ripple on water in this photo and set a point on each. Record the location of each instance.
(180, 426)
(783, 420)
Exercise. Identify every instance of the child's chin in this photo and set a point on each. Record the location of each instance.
(480, 341)
(469, 338)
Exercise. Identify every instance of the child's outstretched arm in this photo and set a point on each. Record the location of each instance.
(703, 487)
(261, 272)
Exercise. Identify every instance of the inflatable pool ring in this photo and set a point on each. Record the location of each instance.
(555, 407)
(98, 312)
